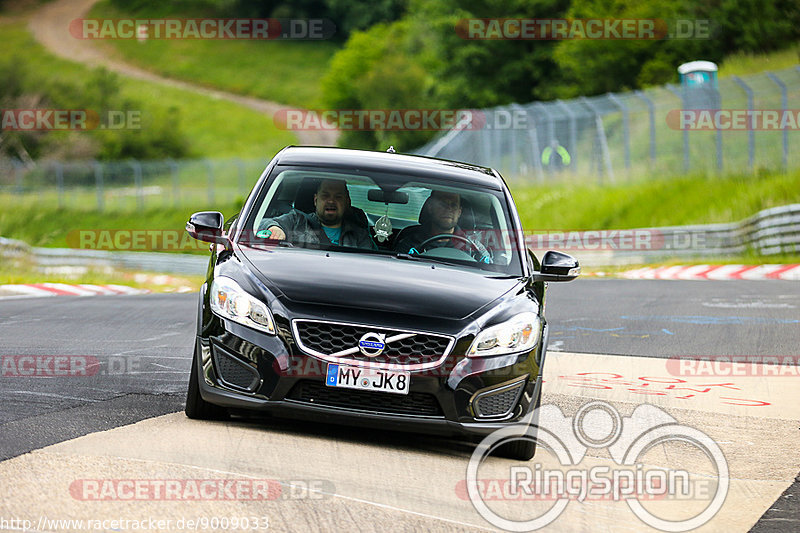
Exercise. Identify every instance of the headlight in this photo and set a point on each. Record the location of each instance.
(519, 334)
(230, 301)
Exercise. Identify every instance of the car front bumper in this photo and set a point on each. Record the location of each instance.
(462, 397)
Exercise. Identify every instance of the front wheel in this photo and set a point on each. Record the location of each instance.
(196, 407)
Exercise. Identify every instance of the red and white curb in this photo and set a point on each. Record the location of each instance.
(63, 289)
(716, 272)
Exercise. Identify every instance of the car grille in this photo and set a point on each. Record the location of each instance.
(413, 403)
(232, 372)
(497, 403)
(329, 339)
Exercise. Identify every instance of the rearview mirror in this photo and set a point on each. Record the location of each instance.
(207, 226)
(557, 266)
(394, 197)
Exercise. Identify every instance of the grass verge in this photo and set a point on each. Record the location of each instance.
(214, 128)
(24, 274)
(663, 202)
(287, 72)
(742, 64)
(57, 227)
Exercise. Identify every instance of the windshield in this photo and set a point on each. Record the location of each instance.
(404, 216)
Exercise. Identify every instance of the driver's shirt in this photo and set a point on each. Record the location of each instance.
(333, 234)
(305, 228)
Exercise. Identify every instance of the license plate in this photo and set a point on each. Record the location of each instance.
(351, 377)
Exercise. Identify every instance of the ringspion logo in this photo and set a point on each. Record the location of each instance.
(544, 491)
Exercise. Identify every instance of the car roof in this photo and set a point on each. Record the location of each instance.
(422, 166)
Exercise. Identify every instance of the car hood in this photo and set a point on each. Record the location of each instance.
(376, 282)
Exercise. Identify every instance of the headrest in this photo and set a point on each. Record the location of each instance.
(304, 198)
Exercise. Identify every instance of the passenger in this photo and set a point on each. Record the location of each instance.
(327, 225)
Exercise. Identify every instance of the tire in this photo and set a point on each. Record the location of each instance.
(196, 407)
(520, 449)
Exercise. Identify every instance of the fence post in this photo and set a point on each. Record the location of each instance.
(651, 111)
(601, 136)
(625, 128)
(60, 183)
(751, 134)
(573, 143)
(497, 148)
(550, 125)
(550, 129)
(240, 167)
(533, 144)
(784, 106)
(210, 169)
(720, 159)
(679, 94)
(176, 187)
(137, 179)
(98, 180)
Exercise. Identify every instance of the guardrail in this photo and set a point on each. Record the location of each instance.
(143, 261)
(768, 232)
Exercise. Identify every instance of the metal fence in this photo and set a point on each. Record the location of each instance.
(128, 185)
(630, 134)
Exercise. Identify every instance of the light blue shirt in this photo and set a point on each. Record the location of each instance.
(334, 234)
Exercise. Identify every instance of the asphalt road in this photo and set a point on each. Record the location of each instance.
(675, 318)
(139, 351)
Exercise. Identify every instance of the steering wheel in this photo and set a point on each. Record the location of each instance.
(481, 252)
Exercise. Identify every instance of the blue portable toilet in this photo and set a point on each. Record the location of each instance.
(696, 74)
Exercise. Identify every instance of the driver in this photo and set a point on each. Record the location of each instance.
(326, 225)
(439, 216)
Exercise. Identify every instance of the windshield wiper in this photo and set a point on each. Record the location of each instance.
(423, 259)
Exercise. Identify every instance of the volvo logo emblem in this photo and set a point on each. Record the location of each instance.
(372, 344)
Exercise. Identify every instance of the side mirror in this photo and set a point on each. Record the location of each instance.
(557, 266)
(207, 226)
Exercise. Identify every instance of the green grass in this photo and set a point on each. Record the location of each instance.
(667, 202)
(52, 227)
(214, 128)
(680, 201)
(742, 64)
(287, 72)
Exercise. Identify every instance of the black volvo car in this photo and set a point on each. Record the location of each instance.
(374, 288)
